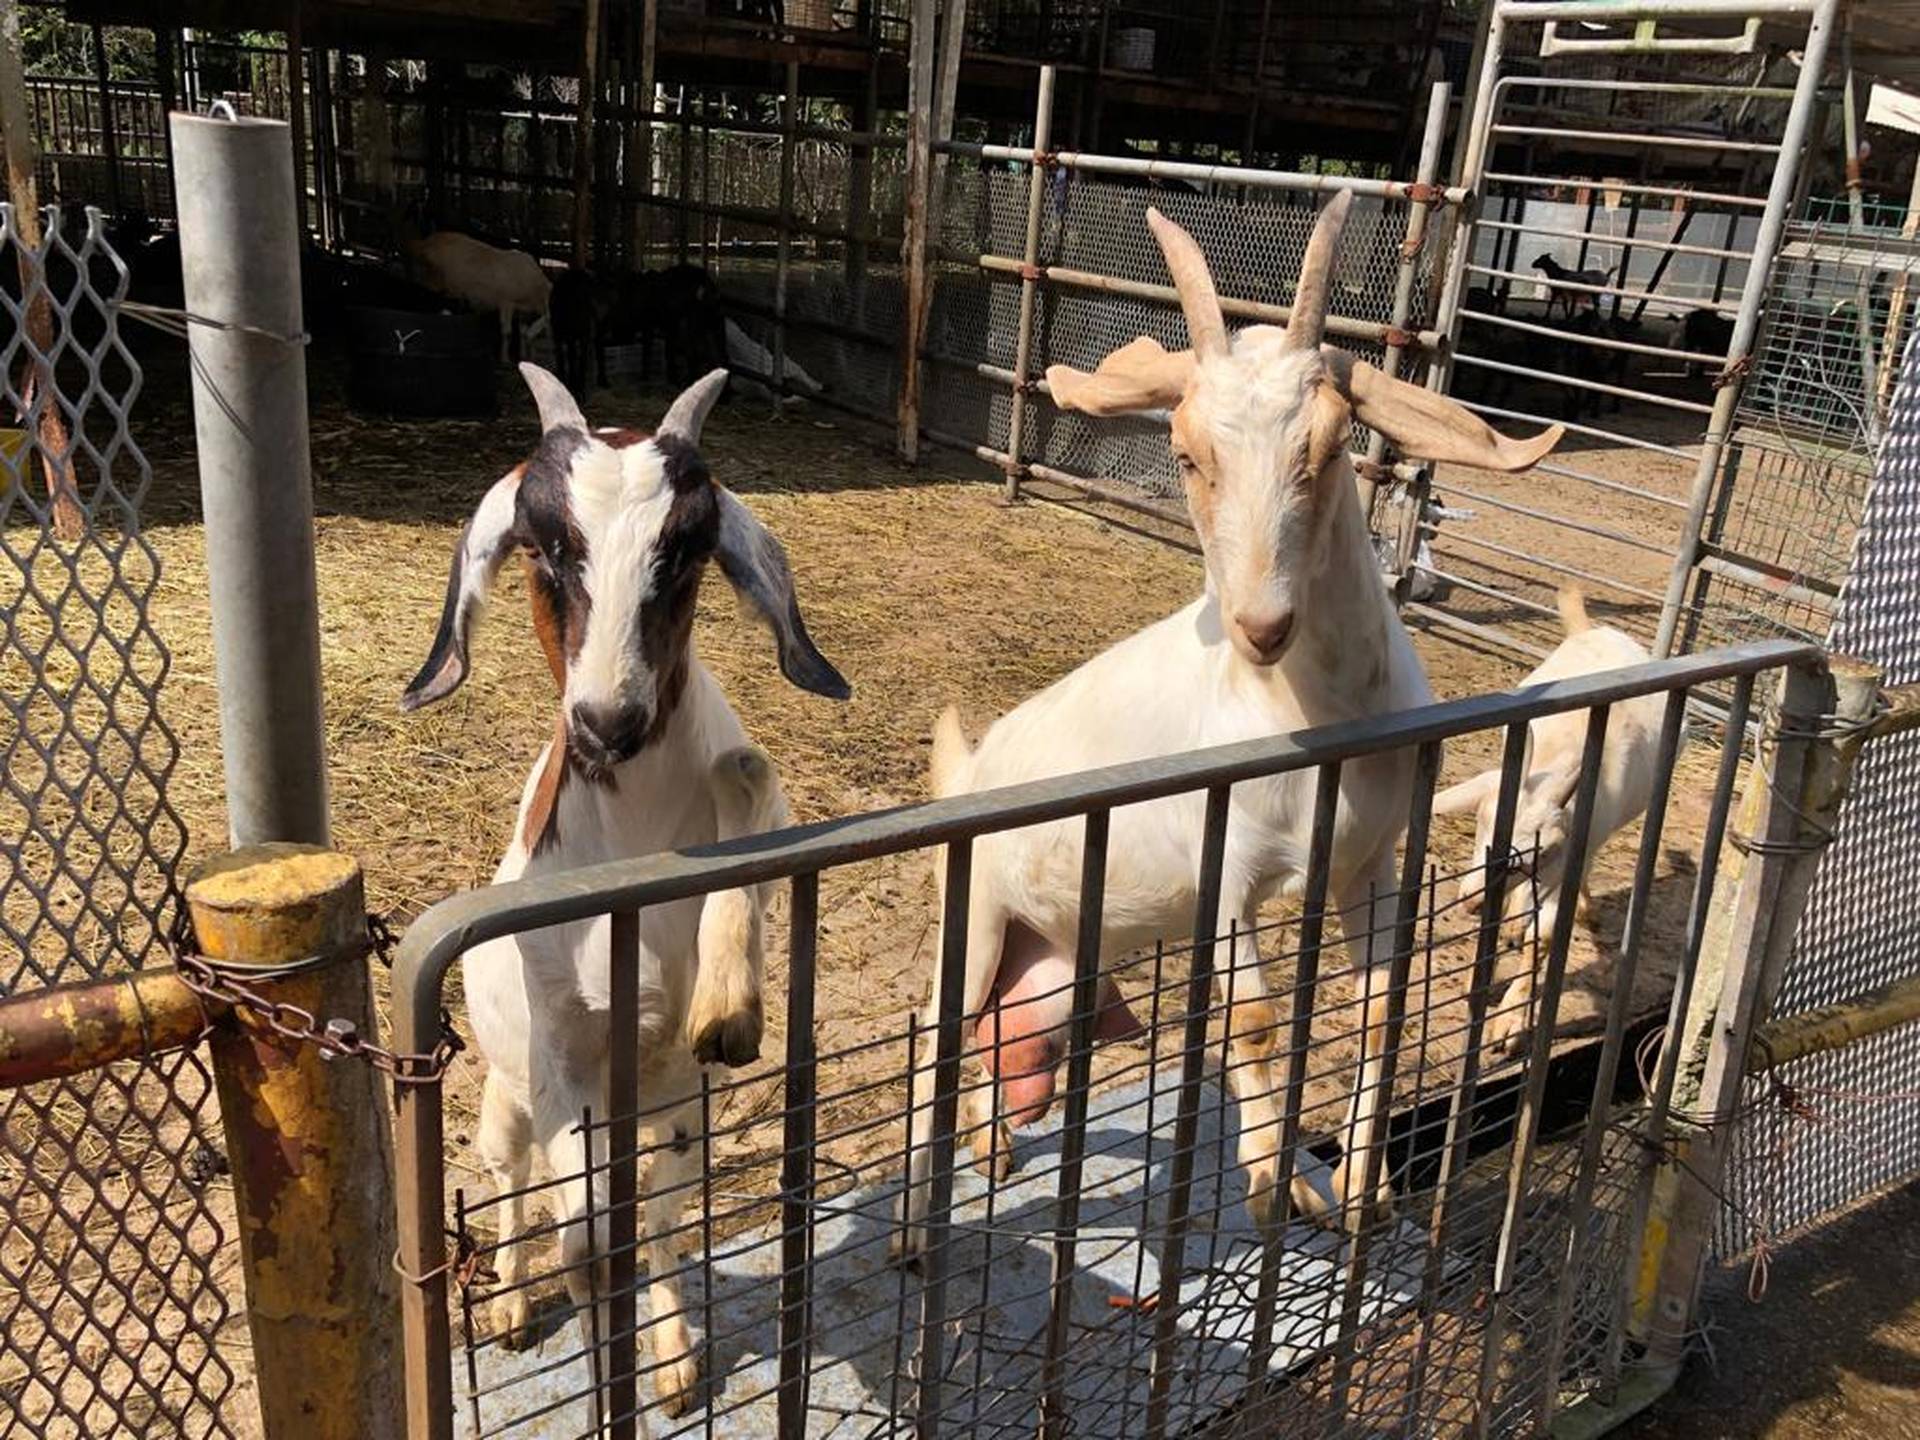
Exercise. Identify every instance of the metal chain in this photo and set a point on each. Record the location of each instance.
(335, 1038)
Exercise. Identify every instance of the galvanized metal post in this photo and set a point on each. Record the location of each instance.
(1857, 221)
(1029, 278)
(1419, 217)
(1766, 243)
(240, 260)
(312, 1171)
(1788, 815)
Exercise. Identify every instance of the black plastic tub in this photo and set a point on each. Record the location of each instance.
(412, 364)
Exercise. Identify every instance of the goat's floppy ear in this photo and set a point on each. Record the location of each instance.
(1467, 795)
(754, 561)
(1545, 795)
(489, 538)
(1142, 376)
(1427, 425)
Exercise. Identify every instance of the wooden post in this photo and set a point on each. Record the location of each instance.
(866, 107)
(312, 1163)
(789, 120)
(35, 384)
(1787, 815)
(921, 86)
(1892, 342)
(109, 134)
(649, 69)
(583, 135)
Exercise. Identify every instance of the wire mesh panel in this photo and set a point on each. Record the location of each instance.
(110, 1314)
(1848, 1126)
(1780, 536)
(1624, 185)
(1266, 1190)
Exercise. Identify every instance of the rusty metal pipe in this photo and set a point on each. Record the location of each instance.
(312, 1168)
(49, 1034)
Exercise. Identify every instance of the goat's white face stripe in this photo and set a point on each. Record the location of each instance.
(620, 500)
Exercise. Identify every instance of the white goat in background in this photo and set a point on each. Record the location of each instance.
(617, 527)
(1294, 629)
(485, 276)
(1543, 805)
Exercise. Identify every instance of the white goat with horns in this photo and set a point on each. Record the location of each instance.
(617, 527)
(1294, 629)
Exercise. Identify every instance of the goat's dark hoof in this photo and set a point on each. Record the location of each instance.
(733, 1041)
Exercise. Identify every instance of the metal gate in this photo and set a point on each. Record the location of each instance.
(1112, 1280)
(1632, 167)
(112, 1318)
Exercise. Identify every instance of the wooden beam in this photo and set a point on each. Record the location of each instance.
(921, 87)
(35, 383)
(109, 136)
(583, 135)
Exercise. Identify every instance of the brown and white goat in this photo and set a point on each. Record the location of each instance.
(1294, 629)
(617, 528)
(1543, 804)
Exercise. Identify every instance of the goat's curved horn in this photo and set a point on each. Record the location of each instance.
(1309, 319)
(555, 402)
(1199, 302)
(688, 413)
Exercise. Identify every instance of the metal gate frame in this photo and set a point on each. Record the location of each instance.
(797, 857)
(1493, 89)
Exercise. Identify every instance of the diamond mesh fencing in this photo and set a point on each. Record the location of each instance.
(111, 1316)
(1852, 1127)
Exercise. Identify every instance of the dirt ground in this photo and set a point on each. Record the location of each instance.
(1831, 1353)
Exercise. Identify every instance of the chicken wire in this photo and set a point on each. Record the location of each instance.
(1846, 1125)
(112, 1321)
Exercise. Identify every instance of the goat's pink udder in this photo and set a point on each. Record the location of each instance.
(1023, 1029)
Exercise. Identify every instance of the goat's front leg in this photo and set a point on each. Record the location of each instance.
(986, 932)
(669, 1186)
(1368, 904)
(725, 1020)
(505, 1142)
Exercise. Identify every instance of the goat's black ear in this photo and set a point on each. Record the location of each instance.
(757, 566)
(484, 545)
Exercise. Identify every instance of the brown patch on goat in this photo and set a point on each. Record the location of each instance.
(541, 826)
(1332, 420)
(548, 626)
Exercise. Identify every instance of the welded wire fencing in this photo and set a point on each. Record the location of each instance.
(112, 1318)
(1450, 1241)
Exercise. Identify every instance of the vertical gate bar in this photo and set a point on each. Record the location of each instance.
(1672, 729)
(1539, 1051)
(796, 1160)
(1193, 1043)
(623, 1168)
(1073, 1125)
(466, 1317)
(906, 1169)
(109, 133)
(1300, 1007)
(946, 1104)
(1857, 220)
(1419, 218)
(1029, 278)
(1498, 863)
(1766, 243)
(789, 118)
(1405, 927)
(706, 1226)
(1473, 160)
(1655, 1124)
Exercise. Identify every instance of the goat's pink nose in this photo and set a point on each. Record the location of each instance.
(1266, 631)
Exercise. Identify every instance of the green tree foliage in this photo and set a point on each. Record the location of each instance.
(54, 45)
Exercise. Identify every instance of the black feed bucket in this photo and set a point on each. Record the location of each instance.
(409, 363)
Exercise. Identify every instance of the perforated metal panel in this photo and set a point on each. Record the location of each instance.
(1850, 1134)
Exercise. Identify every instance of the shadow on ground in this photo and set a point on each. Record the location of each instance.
(1831, 1353)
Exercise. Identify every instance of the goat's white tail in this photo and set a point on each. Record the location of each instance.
(1573, 609)
(951, 753)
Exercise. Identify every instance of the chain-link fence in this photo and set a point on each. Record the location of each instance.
(1847, 1126)
(113, 1319)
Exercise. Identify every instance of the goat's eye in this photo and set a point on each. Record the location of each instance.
(1186, 466)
